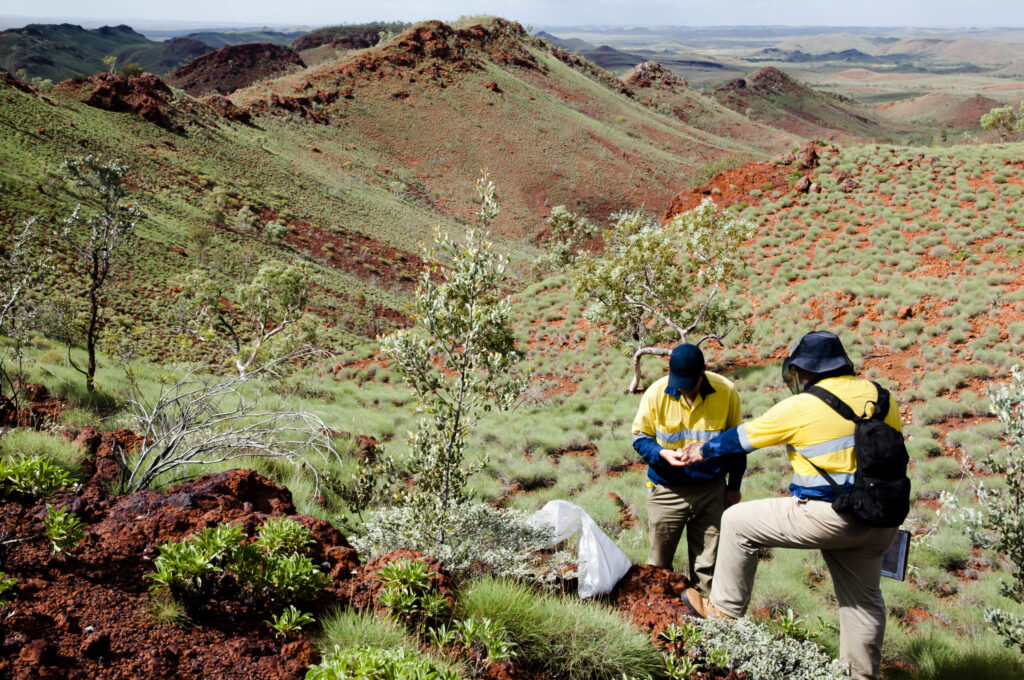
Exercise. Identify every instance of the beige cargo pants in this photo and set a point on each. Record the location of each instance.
(697, 508)
(852, 552)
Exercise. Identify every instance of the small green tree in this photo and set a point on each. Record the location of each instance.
(1004, 511)
(110, 61)
(1004, 120)
(654, 284)
(569, 233)
(20, 272)
(459, 360)
(255, 322)
(98, 243)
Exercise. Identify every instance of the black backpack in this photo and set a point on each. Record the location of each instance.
(880, 495)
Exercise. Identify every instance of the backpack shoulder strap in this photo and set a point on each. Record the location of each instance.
(837, 404)
(882, 405)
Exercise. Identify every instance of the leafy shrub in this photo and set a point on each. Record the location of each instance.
(6, 584)
(31, 476)
(502, 539)
(754, 650)
(374, 663)
(63, 529)
(291, 620)
(271, 566)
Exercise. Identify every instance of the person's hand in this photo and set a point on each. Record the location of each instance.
(732, 497)
(675, 458)
(692, 453)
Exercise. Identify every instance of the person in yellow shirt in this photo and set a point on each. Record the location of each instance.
(814, 435)
(688, 405)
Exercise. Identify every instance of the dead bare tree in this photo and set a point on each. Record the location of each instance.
(197, 422)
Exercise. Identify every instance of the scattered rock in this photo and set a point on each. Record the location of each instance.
(653, 74)
(803, 185)
(848, 185)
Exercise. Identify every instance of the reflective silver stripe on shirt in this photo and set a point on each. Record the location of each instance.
(689, 435)
(840, 478)
(825, 447)
(641, 435)
(741, 432)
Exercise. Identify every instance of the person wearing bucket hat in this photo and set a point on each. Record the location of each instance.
(810, 429)
(690, 404)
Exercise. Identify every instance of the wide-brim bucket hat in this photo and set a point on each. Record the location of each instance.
(817, 352)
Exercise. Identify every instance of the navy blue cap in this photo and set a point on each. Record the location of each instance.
(685, 367)
(817, 352)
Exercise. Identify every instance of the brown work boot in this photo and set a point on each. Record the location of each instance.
(702, 605)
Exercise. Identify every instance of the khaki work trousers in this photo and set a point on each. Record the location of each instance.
(697, 508)
(852, 552)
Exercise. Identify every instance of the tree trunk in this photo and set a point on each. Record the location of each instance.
(634, 386)
(90, 341)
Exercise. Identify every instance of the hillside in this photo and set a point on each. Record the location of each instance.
(61, 51)
(348, 158)
(774, 98)
(551, 128)
(942, 109)
(231, 68)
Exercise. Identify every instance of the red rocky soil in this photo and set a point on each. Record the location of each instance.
(236, 66)
(730, 187)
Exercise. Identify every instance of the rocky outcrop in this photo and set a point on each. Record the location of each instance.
(653, 74)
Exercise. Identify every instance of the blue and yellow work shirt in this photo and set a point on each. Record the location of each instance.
(811, 430)
(666, 421)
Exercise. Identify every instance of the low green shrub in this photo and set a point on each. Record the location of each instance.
(31, 476)
(290, 621)
(374, 663)
(271, 566)
(63, 529)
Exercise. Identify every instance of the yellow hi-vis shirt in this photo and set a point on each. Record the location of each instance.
(663, 421)
(809, 427)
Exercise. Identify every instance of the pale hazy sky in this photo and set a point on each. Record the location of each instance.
(954, 13)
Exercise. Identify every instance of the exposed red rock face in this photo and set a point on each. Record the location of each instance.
(145, 95)
(225, 70)
(653, 74)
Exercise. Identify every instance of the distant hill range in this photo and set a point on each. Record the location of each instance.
(60, 51)
(619, 61)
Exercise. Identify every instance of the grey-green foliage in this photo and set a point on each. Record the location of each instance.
(20, 273)
(1005, 510)
(653, 284)
(753, 649)
(463, 325)
(568, 234)
(478, 534)
(1004, 120)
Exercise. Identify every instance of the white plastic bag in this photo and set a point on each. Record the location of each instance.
(601, 563)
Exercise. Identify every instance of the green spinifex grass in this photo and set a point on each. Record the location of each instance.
(561, 636)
